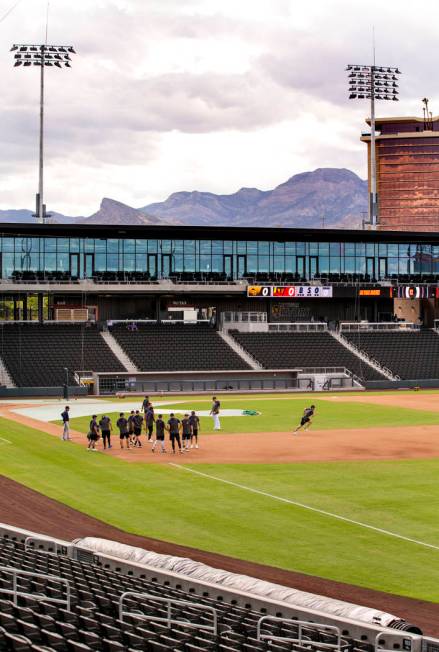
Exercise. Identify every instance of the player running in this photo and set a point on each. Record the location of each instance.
(306, 420)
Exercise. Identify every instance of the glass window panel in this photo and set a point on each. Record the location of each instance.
(50, 262)
(141, 246)
(313, 248)
(263, 248)
(334, 249)
(7, 244)
(189, 246)
(129, 262)
(392, 250)
(112, 246)
(205, 247)
(141, 262)
(217, 263)
(360, 265)
(50, 244)
(62, 245)
(100, 262)
(74, 245)
(152, 246)
(404, 266)
(128, 246)
(178, 246)
(426, 248)
(263, 264)
(370, 249)
(360, 249)
(63, 262)
(189, 263)
(252, 264)
(228, 247)
(34, 262)
(349, 264)
(290, 264)
(300, 248)
(392, 265)
(290, 247)
(252, 247)
(349, 249)
(89, 245)
(205, 263)
(112, 262)
(178, 263)
(279, 264)
(278, 248)
(242, 247)
(324, 264)
(324, 248)
(334, 265)
(166, 246)
(100, 246)
(217, 246)
(8, 264)
(382, 249)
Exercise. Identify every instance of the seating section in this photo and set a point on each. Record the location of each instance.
(93, 624)
(410, 355)
(36, 355)
(291, 350)
(176, 347)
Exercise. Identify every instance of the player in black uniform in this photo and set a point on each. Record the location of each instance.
(174, 431)
(106, 427)
(195, 426)
(306, 420)
(122, 424)
(131, 428)
(159, 434)
(137, 422)
(149, 420)
(186, 432)
(93, 433)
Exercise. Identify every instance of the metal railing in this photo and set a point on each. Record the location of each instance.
(245, 317)
(358, 326)
(16, 593)
(297, 327)
(170, 602)
(300, 639)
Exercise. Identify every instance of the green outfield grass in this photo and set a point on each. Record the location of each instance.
(280, 414)
(175, 505)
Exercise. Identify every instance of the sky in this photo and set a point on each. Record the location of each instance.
(209, 95)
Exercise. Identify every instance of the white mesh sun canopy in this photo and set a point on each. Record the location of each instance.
(198, 571)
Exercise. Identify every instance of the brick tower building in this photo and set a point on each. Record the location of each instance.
(407, 163)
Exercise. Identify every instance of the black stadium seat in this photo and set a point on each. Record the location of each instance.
(40, 625)
(35, 355)
(411, 355)
(299, 350)
(176, 347)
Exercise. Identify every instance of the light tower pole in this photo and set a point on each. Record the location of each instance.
(373, 83)
(42, 56)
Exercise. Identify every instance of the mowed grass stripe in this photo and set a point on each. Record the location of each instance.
(279, 415)
(156, 501)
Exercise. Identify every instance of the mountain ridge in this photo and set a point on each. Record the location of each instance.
(333, 197)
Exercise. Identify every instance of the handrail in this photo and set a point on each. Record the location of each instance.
(170, 602)
(301, 624)
(36, 596)
(358, 326)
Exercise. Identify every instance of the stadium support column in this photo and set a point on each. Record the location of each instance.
(40, 308)
(158, 301)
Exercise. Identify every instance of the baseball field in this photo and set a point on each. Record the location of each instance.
(355, 499)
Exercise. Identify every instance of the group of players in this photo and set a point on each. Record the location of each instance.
(183, 433)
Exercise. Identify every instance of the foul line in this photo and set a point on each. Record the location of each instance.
(308, 507)
(6, 441)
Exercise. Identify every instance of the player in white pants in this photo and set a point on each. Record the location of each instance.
(215, 413)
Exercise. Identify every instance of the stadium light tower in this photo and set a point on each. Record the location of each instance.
(373, 83)
(57, 56)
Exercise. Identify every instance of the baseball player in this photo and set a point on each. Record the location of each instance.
(306, 419)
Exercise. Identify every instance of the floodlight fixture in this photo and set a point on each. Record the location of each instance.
(373, 83)
(38, 55)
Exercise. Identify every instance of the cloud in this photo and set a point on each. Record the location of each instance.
(173, 94)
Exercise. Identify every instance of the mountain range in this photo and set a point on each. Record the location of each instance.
(329, 197)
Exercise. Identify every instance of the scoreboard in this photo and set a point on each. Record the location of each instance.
(290, 291)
